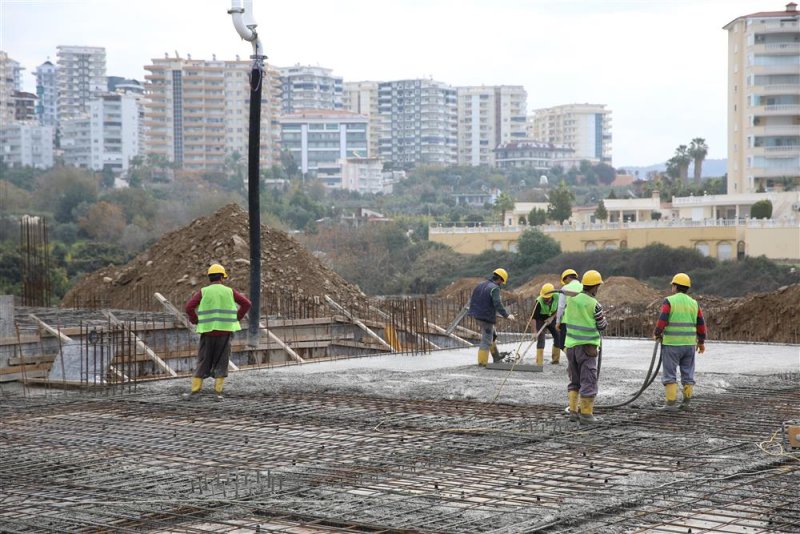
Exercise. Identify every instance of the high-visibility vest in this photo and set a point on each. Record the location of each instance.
(547, 309)
(217, 310)
(580, 322)
(681, 329)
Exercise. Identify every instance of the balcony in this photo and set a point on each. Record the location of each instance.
(778, 89)
(776, 110)
(760, 131)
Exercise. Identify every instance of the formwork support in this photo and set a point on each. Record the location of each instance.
(419, 337)
(280, 342)
(358, 323)
(141, 344)
(450, 335)
(55, 332)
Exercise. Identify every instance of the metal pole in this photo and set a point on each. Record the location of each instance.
(253, 200)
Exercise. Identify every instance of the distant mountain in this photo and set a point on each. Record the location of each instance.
(712, 168)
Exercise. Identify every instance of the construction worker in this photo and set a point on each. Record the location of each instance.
(585, 320)
(216, 310)
(680, 328)
(543, 315)
(484, 305)
(570, 286)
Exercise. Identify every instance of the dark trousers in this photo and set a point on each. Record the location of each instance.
(562, 337)
(582, 370)
(553, 332)
(213, 356)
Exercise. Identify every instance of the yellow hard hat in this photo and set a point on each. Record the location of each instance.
(547, 290)
(592, 278)
(568, 272)
(216, 268)
(682, 279)
(501, 273)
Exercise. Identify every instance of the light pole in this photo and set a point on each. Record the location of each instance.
(242, 14)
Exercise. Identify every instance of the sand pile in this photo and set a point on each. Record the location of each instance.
(176, 267)
(623, 296)
(531, 288)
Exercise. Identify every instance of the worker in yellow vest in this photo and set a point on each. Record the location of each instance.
(570, 286)
(216, 310)
(682, 330)
(543, 313)
(584, 320)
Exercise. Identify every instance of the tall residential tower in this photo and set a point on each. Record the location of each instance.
(584, 128)
(487, 118)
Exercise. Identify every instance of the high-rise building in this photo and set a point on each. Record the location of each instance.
(418, 123)
(320, 140)
(585, 128)
(197, 112)
(81, 75)
(106, 137)
(764, 101)
(8, 68)
(24, 106)
(306, 87)
(47, 93)
(488, 117)
(26, 144)
(362, 98)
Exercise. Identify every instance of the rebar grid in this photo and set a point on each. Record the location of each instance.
(147, 462)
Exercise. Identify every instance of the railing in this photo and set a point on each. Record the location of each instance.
(458, 228)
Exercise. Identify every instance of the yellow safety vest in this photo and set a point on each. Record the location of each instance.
(580, 322)
(681, 329)
(217, 310)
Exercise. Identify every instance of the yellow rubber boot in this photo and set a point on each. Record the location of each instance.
(555, 355)
(197, 384)
(218, 387)
(539, 356)
(688, 391)
(670, 395)
(587, 411)
(573, 405)
(483, 357)
(496, 358)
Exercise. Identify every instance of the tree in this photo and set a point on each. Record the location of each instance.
(605, 173)
(680, 163)
(761, 209)
(561, 199)
(537, 217)
(103, 221)
(698, 149)
(534, 247)
(601, 213)
(502, 204)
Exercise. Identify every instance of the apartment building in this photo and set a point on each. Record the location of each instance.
(196, 112)
(307, 87)
(9, 84)
(489, 116)
(585, 128)
(362, 98)
(47, 94)
(106, 137)
(419, 124)
(81, 75)
(24, 106)
(26, 144)
(364, 175)
(764, 101)
(531, 154)
(321, 139)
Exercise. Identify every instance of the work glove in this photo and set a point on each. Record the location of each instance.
(701, 349)
(658, 338)
(511, 317)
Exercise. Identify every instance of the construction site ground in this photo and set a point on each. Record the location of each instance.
(411, 443)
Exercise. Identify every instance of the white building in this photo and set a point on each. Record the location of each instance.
(27, 144)
(764, 101)
(81, 75)
(364, 175)
(362, 98)
(418, 123)
(489, 117)
(585, 128)
(196, 112)
(9, 70)
(530, 154)
(307, 87)
(106, 137)
(47, 92)
(319, 140)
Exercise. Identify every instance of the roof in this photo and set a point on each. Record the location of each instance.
(322, 114)
(788, 12)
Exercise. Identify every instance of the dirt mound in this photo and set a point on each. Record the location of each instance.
(770, 317)
(531, 288)
(176, 265)
(623, 295)
(457, 288)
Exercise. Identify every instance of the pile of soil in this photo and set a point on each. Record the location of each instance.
(456, 288)
(531, 288)
(176, 267)
(770, 317)
(622, 296)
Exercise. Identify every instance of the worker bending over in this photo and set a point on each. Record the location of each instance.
(216, 310)
(484, 305)
(543, 314)
(680, 328)
(584, 320)
(569, 286)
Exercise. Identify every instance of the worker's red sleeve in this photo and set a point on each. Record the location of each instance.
(701, 327)
(244, 304)
(191, 307)
(663, 317)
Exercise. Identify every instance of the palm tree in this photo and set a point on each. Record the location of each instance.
(681, 159)
(698, 150)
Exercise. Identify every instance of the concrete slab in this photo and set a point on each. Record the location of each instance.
(521, 367)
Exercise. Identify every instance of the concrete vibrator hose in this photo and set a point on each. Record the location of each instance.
(652, 372)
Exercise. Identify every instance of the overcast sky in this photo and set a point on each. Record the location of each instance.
(659, 65)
